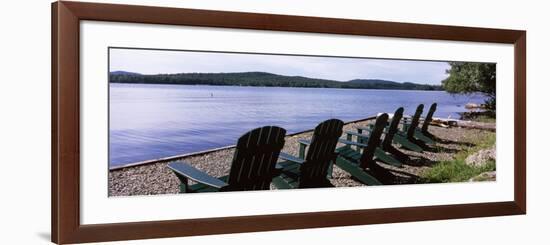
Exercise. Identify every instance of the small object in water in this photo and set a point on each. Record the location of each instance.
(211, 94)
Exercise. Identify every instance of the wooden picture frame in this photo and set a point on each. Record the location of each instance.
(65, 175)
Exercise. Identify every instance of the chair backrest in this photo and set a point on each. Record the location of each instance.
(320, 152)
(374, 139)
(394, 126)
(254, 159)
(429, 117)
(415, 121)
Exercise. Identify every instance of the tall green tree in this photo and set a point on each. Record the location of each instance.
(469, 77)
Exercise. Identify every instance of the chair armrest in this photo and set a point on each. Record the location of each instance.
(303, 145)
(291, 158)
(184, 169)
(367, 128)
(348, 142)
(362, 136)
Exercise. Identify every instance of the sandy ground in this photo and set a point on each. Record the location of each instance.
(156, 178)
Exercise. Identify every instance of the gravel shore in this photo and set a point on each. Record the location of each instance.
(156, 178)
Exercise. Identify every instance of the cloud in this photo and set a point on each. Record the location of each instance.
(335, 68)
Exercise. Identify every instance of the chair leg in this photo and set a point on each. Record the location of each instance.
(329, 171)
(302, 152)
(183, 184)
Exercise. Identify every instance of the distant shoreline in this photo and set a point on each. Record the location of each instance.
(247, 86)
(263, 79)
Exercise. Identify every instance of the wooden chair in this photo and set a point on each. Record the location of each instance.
(418, 135)
(406, 138)
(389, 134)
(359, 163)
(424, 134)
(252, 168)
(312, 170)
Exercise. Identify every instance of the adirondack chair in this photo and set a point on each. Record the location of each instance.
(424, 130)
(379, 153)
(360, 163)
(406, 137)
(313, 170)
(421, 134)
(389, 134)
(252, 168)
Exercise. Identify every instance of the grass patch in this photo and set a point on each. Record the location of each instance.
(479, 116)
(457, 170)
(481, 140)
(485, 119)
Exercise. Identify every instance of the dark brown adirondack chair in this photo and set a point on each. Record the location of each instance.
(360, 164)
(252, 168)
(311, 171)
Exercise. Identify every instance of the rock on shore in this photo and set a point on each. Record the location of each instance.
(481, 157)
(487, 176)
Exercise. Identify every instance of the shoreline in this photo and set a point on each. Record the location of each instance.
(247, 86)
(155, 178)
(198, 153)
(460, 123)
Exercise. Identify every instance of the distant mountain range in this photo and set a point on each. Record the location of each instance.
(124, 73)
(263, 79)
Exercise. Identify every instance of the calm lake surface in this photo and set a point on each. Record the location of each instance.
(154, 121)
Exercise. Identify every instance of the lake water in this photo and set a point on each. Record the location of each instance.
(153, 121)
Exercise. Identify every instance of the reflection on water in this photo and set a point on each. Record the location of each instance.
(153, 121)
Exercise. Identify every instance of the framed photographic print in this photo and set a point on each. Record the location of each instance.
(177, 122)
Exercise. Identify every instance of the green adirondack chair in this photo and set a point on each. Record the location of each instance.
(389, 134)
(406, 138)
(312, 170)
(252, 168)
(379, 153)
(422, 136)
(429, 117)
(358, 163)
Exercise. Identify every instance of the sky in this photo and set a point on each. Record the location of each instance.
(146, 61)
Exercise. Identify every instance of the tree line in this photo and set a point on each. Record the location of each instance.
(262, 79)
